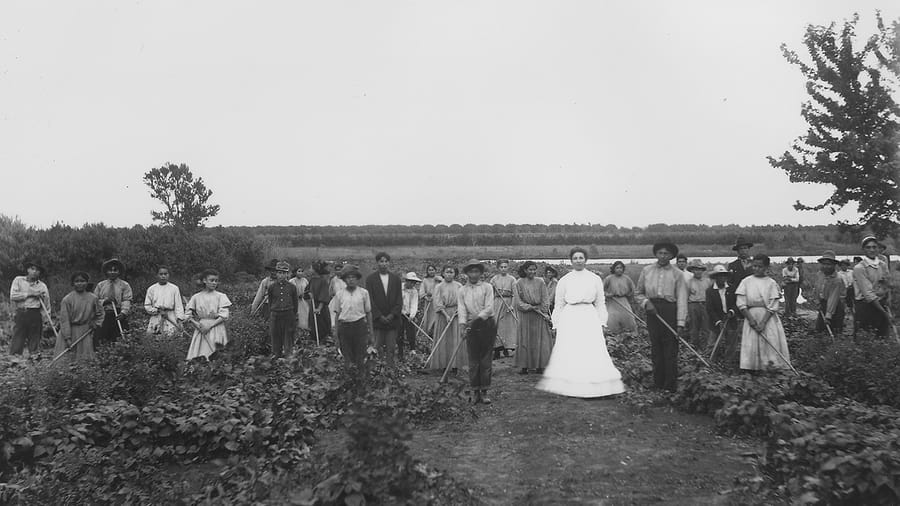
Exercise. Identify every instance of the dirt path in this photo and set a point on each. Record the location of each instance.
(531, 447)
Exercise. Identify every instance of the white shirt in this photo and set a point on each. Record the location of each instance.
(385, 278)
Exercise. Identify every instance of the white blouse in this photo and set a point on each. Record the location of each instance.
(577, 288)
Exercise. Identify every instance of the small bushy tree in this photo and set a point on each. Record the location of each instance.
(183, 196)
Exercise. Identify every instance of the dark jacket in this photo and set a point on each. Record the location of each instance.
(714, 304)
(283, 297)
(738, 273)
(383, 304)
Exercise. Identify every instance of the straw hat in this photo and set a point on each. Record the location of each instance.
(411, 276)
(111, 262)
(828, 256)
(719, 270)
(473, 264)
(696, 265)
(32, 263)
(283, 266)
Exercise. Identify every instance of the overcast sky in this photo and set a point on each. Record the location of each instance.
(413, 112)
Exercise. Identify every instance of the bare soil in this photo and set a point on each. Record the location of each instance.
(531, 447)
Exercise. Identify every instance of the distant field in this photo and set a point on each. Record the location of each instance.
(441, 253)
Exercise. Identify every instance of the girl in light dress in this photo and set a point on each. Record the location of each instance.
(445, 302)
(80, 313)
(619, 290)
(426, 290)
(208, 310)
(303, 307)
(757, 298)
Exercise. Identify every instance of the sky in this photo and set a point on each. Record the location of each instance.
(418, 112)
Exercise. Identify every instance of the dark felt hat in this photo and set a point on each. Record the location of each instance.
(828, 256)
(741, 242)
(667, 244)
(272, 264)
(473, 264)
(32, 263)
(113, 262)
(551, 269)
(790, 260)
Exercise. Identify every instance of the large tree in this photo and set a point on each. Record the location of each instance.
(183, 196)
(853, 140)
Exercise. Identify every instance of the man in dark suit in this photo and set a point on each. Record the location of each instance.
(386, 294)
(740, 268)
(721, 305)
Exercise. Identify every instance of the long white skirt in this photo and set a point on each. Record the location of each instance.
(204, 346)
(580, 365)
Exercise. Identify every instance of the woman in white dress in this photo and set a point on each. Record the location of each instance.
(580, 365)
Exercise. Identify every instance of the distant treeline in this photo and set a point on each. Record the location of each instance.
(773, 236)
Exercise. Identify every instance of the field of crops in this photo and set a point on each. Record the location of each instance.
(142, 426)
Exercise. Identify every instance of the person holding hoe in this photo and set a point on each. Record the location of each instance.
(31, 299)
(446, 327)
(698, 318)
(115, 294)
(507, 320)
(763, 342)
(208, 310)
(830, 294)
(408, 328)
(163, 304)
(80, 314)
(283, 300)
(872, 290)
(477, 328)
(353, 323)
(663, 294)
(260, 305)
(721, 310)
(531, 300)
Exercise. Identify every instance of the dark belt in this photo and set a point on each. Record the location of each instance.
(697, 302)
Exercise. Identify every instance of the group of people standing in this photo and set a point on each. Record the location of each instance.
(94, 316)
(555, 328)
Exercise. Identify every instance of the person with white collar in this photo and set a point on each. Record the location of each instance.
(871, 286)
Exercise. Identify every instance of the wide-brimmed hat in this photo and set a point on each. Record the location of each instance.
(719, 270)
(741, 242)
(473, 264)
(828, 256)
(349, 270)
(112, 261)
(669, 245)
(32, 263)
(696, 265)
(283, 266)
(411, 276)
(867, 239)
(551, 269)
(790, 260)
(271, 264)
